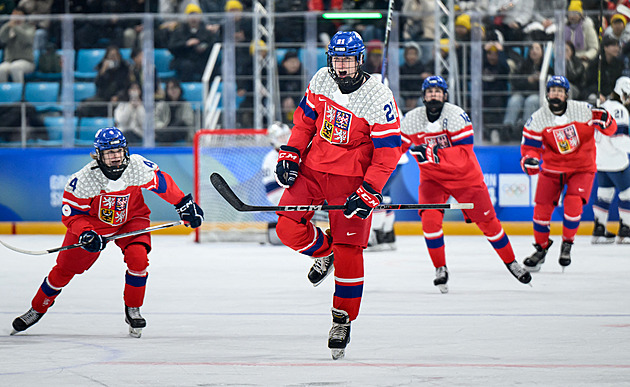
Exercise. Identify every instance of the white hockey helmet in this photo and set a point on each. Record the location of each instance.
(278, 134)
(622, 88)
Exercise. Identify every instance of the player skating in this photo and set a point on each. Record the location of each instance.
(440, 135)
(104, 198)
(344, 145)
(559, 143)
(612, 168)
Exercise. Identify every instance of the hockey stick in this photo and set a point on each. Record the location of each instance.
(599, 51)
(224, 190)
(107, 239)
(388, 28)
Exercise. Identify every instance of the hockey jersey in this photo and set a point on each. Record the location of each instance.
(612, 152)
(453, 133)
(92, 201)
(564, 143)
(273, 190)
(355, 134)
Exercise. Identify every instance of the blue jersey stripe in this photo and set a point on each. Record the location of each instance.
(318, 243)
(135, 281)
(348, 291)
(464, 141)
(529, 142)
(435, 243)
(387, 142)
(501, 243)
(161, 188)
(271, 186)
(310, 113)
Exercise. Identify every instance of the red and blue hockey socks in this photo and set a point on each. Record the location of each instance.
(136, 276)
(542, 224)
(434, 236)
(572, 217)
(348, 279)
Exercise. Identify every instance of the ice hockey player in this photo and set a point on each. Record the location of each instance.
(559, 143)
(102, 199)
(612, 168)
(278, 134)
(344, 145)
(440, 136)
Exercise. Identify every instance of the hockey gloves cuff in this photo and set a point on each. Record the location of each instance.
(362, 202)
(287, 167)
(91, 241)
(530, 165)
(425, 153)
(189, 211)
(601, 118)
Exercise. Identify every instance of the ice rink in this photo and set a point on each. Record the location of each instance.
(245, 315)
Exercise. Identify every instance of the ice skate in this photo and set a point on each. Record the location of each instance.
(565, 254)
(135, 320)
(26, 321)
(601, 235)
(534, 261)
(623, 235)
(441, 279)
(320, 269)
(519, 273)
(339, 335)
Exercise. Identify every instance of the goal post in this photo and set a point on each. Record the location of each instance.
(236, 154)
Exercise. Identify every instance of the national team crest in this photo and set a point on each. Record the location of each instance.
(566, 139)
(113, 209)
(336, 126)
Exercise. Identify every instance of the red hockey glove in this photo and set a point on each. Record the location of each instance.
(287, 168)
(600, 118)
(425, 153)
(530, 165)
(362, 202)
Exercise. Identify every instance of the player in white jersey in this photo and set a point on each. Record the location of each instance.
(612, 168)
(278, 134)
(105, 198)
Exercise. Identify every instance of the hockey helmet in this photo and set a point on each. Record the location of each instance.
(622, 88)
(435, 81)
(111, 138)
(278, 134)
(558, 81)
(346, 43)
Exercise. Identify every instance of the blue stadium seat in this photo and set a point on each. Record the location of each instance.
(10, 92)
(1, 55)
(163, 58)
(54, 125)
(88, 126)
(87, 59)
(44, 95)
(83, 90)
(125, 53)
(193, 93)
(322, 58)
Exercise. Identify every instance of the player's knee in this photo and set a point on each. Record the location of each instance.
(432, 221)
(490, 227)
(136, 257)
(573, 205)
(543, 211)
(285, 229)
(60, 277)
(624, 195)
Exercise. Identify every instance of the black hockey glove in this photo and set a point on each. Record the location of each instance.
(189, 211)
(529, 165)
(362, 202)
(425, 153)
(91, 241)
(288, 166)
(601, 118)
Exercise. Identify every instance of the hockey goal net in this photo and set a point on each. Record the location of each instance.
(237, 155)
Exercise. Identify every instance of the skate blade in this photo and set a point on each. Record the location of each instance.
(135, 332)
(623, 241)
(14, 332)
(443, 288)
(322, 280)
(338, 353)
(602, 241)
(532, 269)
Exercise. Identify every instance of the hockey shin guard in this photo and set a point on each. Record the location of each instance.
(348, 279)
(572, 216)
(542, 222)
(434, 236)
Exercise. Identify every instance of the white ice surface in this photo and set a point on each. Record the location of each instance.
(245, 315)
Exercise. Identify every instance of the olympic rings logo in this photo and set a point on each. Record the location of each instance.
(514, 189)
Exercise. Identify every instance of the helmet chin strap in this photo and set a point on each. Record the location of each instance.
(113, 173)
(557, 106)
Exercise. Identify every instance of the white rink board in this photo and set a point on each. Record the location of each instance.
(230, 314)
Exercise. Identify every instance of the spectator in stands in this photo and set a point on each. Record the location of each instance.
(291, 84)
(618, 29)
(38, 7)
(524, 93)
(374, 57)
(17, 37)
(174, 117)
(129, 114)
(412, 74)
(575, 71)
(494, 85)
(580, 30)
(511, 17)
(418, 20)
(49, 60)
(190, 45)
(289, 29)
(543, 24)
(611, 69)
(112, 81)
(11, 123)
(136, 73)
(245, 84)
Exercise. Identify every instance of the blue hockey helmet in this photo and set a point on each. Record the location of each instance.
(111, 138)
(346, 43)
(434, 81)
(558, 81)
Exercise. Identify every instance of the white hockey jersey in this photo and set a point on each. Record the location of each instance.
(273, 190)
(612, 152)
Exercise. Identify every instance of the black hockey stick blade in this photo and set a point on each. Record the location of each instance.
(110, 238)
(226, 192)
